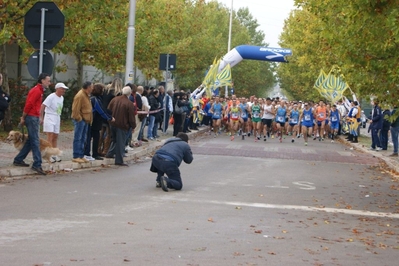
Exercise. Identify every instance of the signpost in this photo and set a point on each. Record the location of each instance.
(44, 28)
(166, 62)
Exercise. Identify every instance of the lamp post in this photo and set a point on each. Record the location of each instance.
(129, 72)
(226, 92)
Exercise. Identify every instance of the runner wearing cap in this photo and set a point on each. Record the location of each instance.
(50, 115)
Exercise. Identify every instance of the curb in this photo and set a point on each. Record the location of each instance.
(16, 173)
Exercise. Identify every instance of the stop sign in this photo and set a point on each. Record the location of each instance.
(53, 25)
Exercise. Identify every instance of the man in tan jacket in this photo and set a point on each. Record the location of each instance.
(82, 116)
(123, 111)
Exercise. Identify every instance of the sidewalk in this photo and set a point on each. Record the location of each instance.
(65, 140)
(392, 162)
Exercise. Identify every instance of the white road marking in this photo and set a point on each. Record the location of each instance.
(234, 146)
(305, 185)
(298, 208)
(308, 151)
(277, 184)
(345, 153)
(309, 208)
(270, 149)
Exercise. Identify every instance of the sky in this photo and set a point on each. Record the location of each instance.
(269, 14)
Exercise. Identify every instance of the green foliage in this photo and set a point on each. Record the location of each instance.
(360, 36)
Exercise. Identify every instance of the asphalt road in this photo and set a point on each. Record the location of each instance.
(242, 203)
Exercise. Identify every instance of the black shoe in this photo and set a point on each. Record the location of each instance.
(122, 164)
(164, 184)
(109, 157)
(39, 170)
(98, 158)
(188, 130)
(20, 164)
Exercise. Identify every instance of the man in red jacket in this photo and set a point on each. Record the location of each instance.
(31, 118)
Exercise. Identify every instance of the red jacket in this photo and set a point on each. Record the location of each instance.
(34, 101)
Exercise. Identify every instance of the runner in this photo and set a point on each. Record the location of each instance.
(335, 118)
(321, 115)
(307, 124)
(267, 118)
(244, 118)
(281, 113)
(216, 111)
(256, 119)
(293, 127)
(234, 113)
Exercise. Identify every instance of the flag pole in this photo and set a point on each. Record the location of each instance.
(226, 93)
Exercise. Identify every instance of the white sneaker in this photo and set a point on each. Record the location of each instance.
(128, 148)
(378, 149)
(52, 159)
(89, 158)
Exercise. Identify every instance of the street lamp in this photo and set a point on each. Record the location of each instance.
(129, 73)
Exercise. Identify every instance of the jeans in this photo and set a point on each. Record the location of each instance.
(384, 139)
(88, 142)
(79, 138)
(166, 121)
(150, 133)
(118, 144)
(170, 169)
(394, 135)
(142, 126)
(375, 138)
(32, 143)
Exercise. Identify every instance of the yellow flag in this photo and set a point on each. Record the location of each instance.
(224, 78)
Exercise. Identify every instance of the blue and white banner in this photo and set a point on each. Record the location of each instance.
(254, 53)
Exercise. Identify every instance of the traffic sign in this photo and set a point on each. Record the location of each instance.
(53, 25)
(33, 64)
(164, 59)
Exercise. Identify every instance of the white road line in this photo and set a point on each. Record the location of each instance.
(308, 151)
(304, 208)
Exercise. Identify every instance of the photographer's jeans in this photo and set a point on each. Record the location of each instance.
(32, 142)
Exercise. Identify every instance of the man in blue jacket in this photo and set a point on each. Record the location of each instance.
(377, 120)
(168, 159)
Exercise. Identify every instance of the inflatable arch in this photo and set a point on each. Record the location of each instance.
(242, 52)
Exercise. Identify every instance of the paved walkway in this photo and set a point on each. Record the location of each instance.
(8, 152)
(65, 140)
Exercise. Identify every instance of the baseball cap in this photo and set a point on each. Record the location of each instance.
(60, 85)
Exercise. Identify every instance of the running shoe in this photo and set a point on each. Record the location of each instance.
(242, 137)
(264, 139)
(306, 144)
(272, 136)
(293, 140)
(378, 149)
(298, 136)
(281, 139)
(322, 139)
(232, 138)
(332, 141)
(258, 138)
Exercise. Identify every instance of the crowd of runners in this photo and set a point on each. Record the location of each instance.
(265, 118)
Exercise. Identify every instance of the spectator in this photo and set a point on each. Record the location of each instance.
(82, 117)
(114, 89)
(4, 100)
(100, 116)
(376, 126)
(168, 103)
(177, 117)
(154, 117)
(143, 117)
(123, 111)
(31, 118)
(50, 114)
(394, 134)
(168, 159)
(385, 129)
(136, 100)
(161, 98)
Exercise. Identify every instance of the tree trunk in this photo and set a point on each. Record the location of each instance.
(3, 69)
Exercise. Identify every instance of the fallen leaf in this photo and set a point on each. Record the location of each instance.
(210, 220)
(238, 208)
(271, 253)
(258, 231)
(130, 223)
(284, 232)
